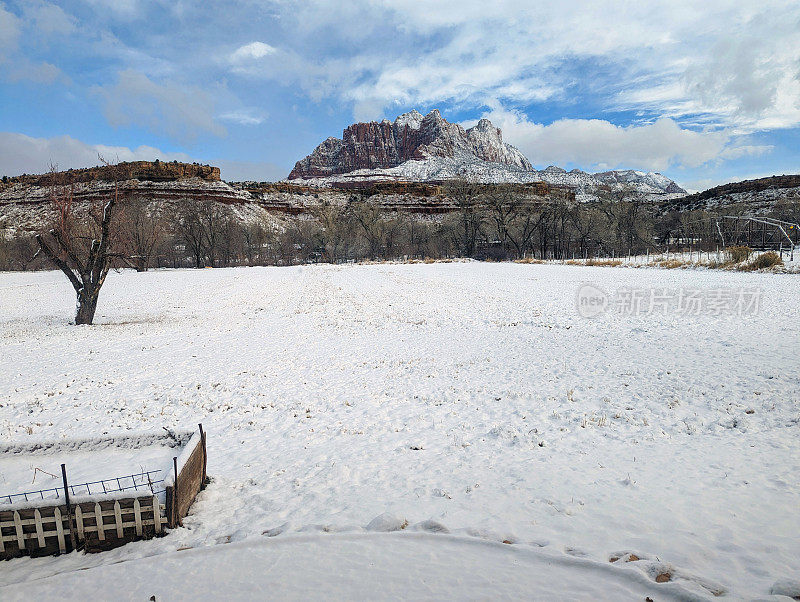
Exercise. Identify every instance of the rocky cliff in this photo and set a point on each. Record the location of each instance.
(414, 148)
(144, 171)
(411, 137)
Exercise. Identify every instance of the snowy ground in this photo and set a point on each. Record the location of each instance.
(31, 472)
(467, 397)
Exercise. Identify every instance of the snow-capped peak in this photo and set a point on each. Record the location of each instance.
(412, 119)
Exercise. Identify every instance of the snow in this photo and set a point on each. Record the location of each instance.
(464, 164)
(412, 119)
(469, 402)
(406, 566)
(35, 467)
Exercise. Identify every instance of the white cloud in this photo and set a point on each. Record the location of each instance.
(49, 18)
(746, 150)
(724, 64)
(42, 73)
(120, 8)
(10, 27)
(254, 50)
(244, 117)
(182, 112)
(23, 154)
(598, 144)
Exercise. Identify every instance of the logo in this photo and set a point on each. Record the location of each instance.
(591, 301)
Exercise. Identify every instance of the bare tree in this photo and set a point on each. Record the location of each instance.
(334, 234)
(85, 257)
(141, 232)
(466, 196)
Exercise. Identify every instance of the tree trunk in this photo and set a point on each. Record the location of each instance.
(87, 303)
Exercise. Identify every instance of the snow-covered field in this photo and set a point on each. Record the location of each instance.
(341, 402)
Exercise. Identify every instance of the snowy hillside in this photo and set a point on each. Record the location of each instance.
(468, 402)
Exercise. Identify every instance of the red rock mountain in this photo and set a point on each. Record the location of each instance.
(411, 136)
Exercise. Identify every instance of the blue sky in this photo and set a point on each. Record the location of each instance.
(704, 93)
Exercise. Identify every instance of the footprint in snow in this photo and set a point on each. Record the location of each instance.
(386, 523)
(431, 526)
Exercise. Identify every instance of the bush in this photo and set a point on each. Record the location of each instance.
(766, 260)
(739, 254)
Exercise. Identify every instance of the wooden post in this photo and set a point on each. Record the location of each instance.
(62, 545)
(69, 509)
(79, 523)
(98, 517)
(175, 497)
(156, 514)
(205, 457)
(118, 519)
(37, 520)
(18, 529)
(137, 516)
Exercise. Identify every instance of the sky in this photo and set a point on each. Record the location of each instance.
(703, 92)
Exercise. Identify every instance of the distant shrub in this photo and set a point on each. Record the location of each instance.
(739, 254)
(765, 260)
(672, 264)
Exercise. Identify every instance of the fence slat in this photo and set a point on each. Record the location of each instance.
(79, 522)
(37, 517)
(156, 514)
(2, 540)
(62, 546)
(18, 526)
(98, 514)
(137, 513)
(118, 519)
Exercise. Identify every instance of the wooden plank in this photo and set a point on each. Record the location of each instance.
(2, 539)
(156, 514)
(176, 517)
(137, 513)
(62, 545)
(20, 536)
(98, 514)
(72, 542)
(118, 519)
(37, 517)
(79, 522)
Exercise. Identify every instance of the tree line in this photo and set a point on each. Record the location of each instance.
(489, 222)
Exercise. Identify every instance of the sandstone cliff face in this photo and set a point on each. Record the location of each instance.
(411, 136)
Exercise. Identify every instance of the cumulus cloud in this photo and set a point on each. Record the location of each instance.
(254, 50)
(24, 154)
(182, 112)
(599, 144)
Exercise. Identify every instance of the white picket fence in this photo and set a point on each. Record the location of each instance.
(52, 526)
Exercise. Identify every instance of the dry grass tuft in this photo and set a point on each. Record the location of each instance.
(767, 260)
(738, 254)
